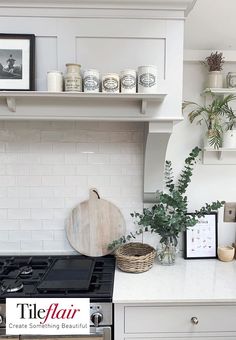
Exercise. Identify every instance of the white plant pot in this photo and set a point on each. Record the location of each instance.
(229, 139)
(215, 79)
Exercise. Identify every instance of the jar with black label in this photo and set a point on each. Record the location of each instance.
(73, 81)
(91, 80)
(128, 81)
(111, 83)
(147, 79)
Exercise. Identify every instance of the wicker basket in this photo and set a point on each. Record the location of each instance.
(135, 257)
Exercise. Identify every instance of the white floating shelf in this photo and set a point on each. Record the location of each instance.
(219, 156)
(221, 91)
(79, 105)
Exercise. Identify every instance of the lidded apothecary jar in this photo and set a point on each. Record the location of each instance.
(111, 83)
(91, 80)
(128, 81)
(73, 81)
(147, 79)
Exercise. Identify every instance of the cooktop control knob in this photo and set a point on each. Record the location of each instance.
(96, 318)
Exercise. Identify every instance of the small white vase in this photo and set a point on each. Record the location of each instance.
(229, 139)
(215, 79)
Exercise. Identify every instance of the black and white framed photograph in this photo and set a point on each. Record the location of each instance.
(17, 62)
(201, 240)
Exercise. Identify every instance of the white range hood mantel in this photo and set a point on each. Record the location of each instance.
(163, 5)
(110, 36)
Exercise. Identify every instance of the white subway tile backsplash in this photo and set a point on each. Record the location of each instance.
(20, 169)
(76, 158)
(52, 136)
(2, 147)
(3, 214)
(42, 213)
(41, 147)
(110, 148)
(31, 246)
(42, 235)
(31, 224)
(47, 168)
(98, 159)
(41, 169)
(64, 170)
(18, 214)
(64, 147)
(20, 235)
(53, 203)
(76, 180)
(66, 191)
(87, 148)
(8, 224)
(17, 147)
(57, 244)
(30, 203)
(52, 159)
(9, 246)
(9, 202)
(59, 235)
(7, 181)
(41, 192)
(98, 181)
(55, 224)
(4, 235)
(3, 192)
(53, 180)
(29, 181)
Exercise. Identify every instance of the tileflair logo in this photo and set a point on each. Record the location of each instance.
(50, 316)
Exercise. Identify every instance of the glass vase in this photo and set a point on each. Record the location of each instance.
(167, 251)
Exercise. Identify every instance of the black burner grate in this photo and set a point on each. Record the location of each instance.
(58, 276)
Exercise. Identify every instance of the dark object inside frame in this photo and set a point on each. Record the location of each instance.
(17, 62)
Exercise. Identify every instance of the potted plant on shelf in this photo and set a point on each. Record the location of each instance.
(215, 62)
(212, 116)
(169, 216)
(229, 136)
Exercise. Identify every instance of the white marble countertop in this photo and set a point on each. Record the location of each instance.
(186, 281)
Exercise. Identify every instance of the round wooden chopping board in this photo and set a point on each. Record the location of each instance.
(93, 225)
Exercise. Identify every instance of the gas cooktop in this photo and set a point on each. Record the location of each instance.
(57, 276)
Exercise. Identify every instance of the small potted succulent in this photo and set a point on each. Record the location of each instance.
(215, 62)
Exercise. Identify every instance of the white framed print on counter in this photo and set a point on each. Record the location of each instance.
(201, 240)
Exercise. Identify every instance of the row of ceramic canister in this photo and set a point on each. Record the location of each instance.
(129, 81)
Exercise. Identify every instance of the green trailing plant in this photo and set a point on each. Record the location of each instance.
(212, 115)
(230, 122)
(214, 61)
(169, 216)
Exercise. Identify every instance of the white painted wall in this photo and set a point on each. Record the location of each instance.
(205, 32)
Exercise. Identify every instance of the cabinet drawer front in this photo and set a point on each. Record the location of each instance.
(155, 319)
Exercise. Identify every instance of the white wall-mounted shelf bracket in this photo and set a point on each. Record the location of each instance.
(219, 156)
(158, 134)
(11, 103)
(144, 107)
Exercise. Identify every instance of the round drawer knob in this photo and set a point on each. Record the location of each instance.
(194, 320)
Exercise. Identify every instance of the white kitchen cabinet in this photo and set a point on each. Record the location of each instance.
(175, 321)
